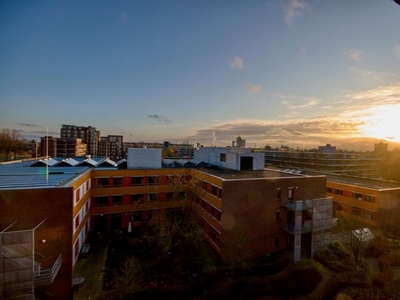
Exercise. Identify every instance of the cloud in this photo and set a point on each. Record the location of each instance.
(294, 9)
(252, 88)
(355, 55)
(312, 102)
(396, 51)
(389, 94)
(26, 124)
(159, 118)
(236, 63)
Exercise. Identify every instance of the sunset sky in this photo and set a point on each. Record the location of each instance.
(292, 72)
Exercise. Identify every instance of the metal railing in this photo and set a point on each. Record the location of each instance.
(46, 276)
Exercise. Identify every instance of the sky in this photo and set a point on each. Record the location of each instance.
(299, 73)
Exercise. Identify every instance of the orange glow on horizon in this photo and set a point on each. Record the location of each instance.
(382, 122)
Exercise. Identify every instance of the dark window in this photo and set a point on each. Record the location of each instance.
(369, 215)
(339, 192)
(117, 200)
(152, 180)
(169, 196)
(101, 182)
(329, 190)
(357, 196)
(137, 216)
(152, 197)
(338, 206)
(278, 194)
(137, 198)
(276, 241)
(223, 157)
(356, 211)
(117, 181)
(369, 198)
(277, 216)
(137, 180)
(101, 201)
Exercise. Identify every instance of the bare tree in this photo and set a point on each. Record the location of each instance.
(10, 141)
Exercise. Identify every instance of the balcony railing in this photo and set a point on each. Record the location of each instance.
(296, 205)
(46, 276)
(293, 229)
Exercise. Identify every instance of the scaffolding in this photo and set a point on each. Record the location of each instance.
(19, 272)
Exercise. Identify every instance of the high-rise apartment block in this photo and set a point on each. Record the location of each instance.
(89, 135)
(112, 146)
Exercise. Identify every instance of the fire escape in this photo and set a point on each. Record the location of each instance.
(310, 216)
(19, 272)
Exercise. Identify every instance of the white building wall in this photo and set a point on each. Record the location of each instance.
(144, 158)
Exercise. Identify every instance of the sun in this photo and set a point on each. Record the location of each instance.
(382, 122)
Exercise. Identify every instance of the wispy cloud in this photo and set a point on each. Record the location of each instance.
(304, 48)
(252, 88)
(236, 63)
(355, 55)
(294, 9)
(312, 102)
(389, 94)
(159, 118)
(396, 51)
(26, 124)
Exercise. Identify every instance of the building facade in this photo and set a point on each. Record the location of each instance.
(269, 211)
(88, 134)
(353, 164)
(57, 147)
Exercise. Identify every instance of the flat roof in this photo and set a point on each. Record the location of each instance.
(375, 184)
(21, 175)
(250, 174)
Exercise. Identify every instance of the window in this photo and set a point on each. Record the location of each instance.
(276, 241)
(137, 216)
(290, 193)
(357, 196)
(117, 200)
(278, 194)
(152, 197)
(101, 182)
(369, 215)
(369, 198)
(277, 216)
(169, 196)
(182, 195)
(101, 201)
(338, 206)
(152, 180)
(137, 180)
(339, 192)
(223, 157)
(135, 198)
(117, 181)
(356, 211)
(329, 190)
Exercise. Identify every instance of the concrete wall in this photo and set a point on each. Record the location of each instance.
(143, 158)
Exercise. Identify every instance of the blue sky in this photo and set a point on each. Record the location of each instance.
(300, 73)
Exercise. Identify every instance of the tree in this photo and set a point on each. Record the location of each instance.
(10, 141)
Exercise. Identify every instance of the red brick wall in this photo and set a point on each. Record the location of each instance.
(29, 208)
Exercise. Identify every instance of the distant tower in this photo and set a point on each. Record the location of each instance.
(239, 143)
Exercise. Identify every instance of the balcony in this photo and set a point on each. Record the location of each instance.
(296, 205)
(46, 276)
(293, 229)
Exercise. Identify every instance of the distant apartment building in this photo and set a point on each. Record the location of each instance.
(239, 143)
(381, 149)
(58, 147)
(328, 161)
(88, 134)
(111, 146)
